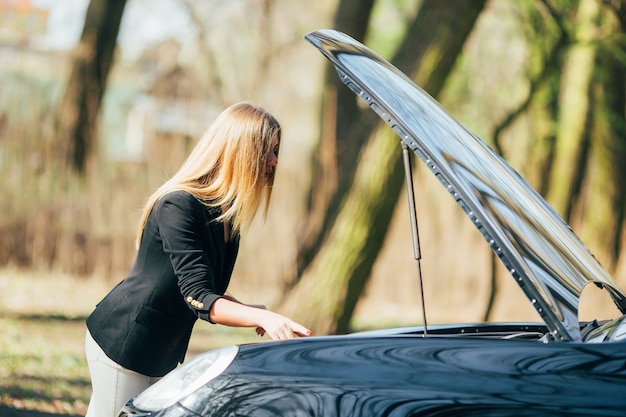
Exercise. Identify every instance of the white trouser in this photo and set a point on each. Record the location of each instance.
(112, 384)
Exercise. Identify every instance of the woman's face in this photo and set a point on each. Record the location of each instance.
(271, 161)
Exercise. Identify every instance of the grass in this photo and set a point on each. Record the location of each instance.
(42, 362)
(43, 366)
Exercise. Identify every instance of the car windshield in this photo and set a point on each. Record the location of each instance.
(541, 252)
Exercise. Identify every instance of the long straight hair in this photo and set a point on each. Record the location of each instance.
(227, 166)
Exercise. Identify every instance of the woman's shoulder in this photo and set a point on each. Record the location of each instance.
(178, 198)
(178, 195)
(183, 200)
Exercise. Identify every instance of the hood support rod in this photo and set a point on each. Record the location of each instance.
(408, 172)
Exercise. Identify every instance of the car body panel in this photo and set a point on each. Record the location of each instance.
(411, 375)
(539, 249)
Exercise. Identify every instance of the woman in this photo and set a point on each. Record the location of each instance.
(187, 241)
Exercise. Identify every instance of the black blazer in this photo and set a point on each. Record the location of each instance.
(183, 265)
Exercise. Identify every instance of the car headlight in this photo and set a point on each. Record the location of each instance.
(185, 379)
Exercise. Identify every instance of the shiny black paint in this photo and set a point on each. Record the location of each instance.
(411, 375)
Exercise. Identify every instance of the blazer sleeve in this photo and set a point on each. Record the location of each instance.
(190, 242)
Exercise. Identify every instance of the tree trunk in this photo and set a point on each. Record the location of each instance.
(574, 110)
(332, 285)
(92, 60)
(603, 213)
(333, 159)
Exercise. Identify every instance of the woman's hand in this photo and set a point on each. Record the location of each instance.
(279, 327)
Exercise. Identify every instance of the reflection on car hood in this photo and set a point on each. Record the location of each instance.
(538, 248)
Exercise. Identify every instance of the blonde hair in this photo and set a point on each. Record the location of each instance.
(227, 166)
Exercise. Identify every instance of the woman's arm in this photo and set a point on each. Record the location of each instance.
(227, 312)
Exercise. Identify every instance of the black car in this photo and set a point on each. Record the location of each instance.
(558, 367)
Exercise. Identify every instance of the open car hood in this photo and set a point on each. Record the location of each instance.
(538, 248)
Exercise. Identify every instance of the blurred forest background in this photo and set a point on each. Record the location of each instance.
(101, 101)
